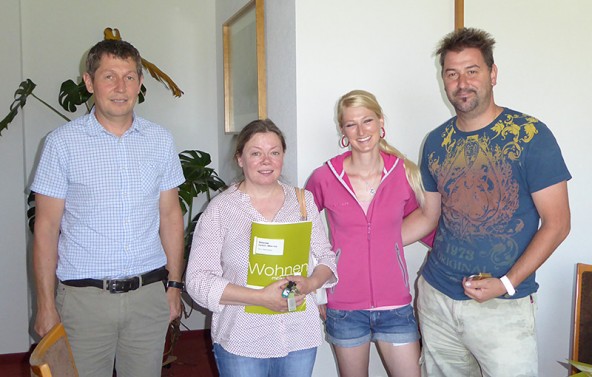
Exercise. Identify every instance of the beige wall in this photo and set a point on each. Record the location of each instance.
(328, 48)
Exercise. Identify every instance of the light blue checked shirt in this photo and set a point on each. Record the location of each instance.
(111, 186)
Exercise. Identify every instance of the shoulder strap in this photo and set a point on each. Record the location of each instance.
(302, 202)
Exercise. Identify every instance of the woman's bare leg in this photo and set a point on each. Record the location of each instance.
(401, 360)
(353, 361)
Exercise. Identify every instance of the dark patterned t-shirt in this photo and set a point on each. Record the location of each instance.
(486, 178)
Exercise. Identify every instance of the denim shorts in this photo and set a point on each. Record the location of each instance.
(352, 328)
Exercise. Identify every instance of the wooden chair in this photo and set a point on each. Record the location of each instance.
(53, 355)
(581, 349)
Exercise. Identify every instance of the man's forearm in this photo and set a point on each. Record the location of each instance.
(45, 250)
(44, 267)
(553, 207)
(172, 234)
(173, 244)
(543, 244)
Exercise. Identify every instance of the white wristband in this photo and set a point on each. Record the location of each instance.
(508, 285)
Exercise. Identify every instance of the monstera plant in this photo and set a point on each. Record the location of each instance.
(199, 177)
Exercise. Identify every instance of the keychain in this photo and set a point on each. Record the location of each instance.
(479, 276)
(289, 293)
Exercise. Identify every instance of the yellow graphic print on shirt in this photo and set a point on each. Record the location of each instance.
(479, 192)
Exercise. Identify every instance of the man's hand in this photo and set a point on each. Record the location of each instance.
(174, 299)
(484, 289)
(45, 321)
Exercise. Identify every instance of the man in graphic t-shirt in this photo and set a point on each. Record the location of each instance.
(498, 181)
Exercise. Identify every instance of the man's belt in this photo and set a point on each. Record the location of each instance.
(121, 285)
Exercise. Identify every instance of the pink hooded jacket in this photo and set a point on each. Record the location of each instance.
(371, 263)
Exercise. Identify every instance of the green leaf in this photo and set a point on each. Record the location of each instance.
(142, 94)
(215, 183)
(185, 196)
(31, 211)
(73, 95)
(199, 179)
(24, 90)
(189, 234)
(585, 368)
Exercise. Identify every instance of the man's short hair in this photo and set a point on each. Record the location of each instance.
(119, 49)
(463, 38)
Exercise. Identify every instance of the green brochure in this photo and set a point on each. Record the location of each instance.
(277, 250)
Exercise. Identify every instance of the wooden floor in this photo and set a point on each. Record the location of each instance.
(193, 352)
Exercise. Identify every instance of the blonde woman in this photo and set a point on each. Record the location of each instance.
(366, 192)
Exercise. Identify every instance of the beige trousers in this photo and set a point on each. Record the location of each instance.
(104, 328)
(465, 338)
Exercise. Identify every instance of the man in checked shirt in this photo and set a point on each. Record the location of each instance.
(109, 225)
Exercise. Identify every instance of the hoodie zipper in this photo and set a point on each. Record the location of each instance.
(402, 265)
(368, 233)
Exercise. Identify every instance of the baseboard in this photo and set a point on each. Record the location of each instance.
(190, 334)
(23, 357)
(15, 358)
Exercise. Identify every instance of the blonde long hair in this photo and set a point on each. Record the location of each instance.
(362, 98)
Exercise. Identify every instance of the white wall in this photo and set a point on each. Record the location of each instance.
(13, 255)
(316, 52)
(281, 78)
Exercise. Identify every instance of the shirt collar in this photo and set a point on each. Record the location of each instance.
(95, 128)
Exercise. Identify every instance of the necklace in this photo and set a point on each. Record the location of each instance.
(371, 179)
(370, 189)
(369, 186)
